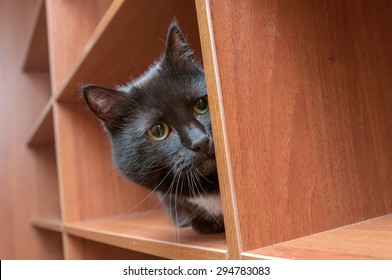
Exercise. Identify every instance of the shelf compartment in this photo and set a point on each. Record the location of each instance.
(371, 239)
(42, 133)
(151, 233)
(51, 224)
(106, 58)
(36, 56)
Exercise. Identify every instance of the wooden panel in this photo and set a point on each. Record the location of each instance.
(22, 99)
(82, 249)
(120, 49)
(50, 244)
(46, 193)
(43, 131)
(70, 25)
(37, 53)
(90, 186)
(366, 240)
(219, 129)
(308, 121)
(153, 233)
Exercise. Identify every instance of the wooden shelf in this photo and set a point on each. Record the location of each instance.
(36, 57)
(370, 239)
(51, 224)
(151, 233)
(42, 133)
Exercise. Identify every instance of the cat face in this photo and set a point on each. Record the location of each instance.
(159, 124)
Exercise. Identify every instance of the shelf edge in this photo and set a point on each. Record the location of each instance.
(48, 224)
(145, 245)
(45, 116)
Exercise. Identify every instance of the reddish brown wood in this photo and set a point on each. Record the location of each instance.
(151, 232)
(89, 250)
(308, 121)
(23, 96)
(70, 25)
(371, 239)
(37, 56)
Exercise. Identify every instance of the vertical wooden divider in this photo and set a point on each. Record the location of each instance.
(309, 128)
(226, 184)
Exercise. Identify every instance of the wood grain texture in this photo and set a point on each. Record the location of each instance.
(36, 57)
(42, 133)
(46, 196)
(23, 96)
(83, 249)
(50, 244)
(152, 233)
(70, 25)
(226, 183)
(310, 124)
(120, 50)
(371, 239)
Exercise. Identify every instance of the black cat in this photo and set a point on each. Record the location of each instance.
(160, 131)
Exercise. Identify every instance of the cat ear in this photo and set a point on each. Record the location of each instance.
(177, 48)
(106, 103)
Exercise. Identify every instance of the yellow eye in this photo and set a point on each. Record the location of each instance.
(201, 105)
(158, 131)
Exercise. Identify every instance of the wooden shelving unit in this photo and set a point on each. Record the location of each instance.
(302, 128)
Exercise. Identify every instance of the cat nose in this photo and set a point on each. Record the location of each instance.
(196, 139)
(201, 144)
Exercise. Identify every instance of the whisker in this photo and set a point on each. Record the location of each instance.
(202, 199)
(203, 176)
(151, 193)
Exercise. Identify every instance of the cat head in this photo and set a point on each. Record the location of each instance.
(159, 124)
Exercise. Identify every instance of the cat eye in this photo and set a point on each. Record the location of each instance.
(158, 131)
(201, 105)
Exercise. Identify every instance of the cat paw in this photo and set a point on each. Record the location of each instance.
(207, 227)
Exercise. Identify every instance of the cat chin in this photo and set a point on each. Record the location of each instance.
(207, 167)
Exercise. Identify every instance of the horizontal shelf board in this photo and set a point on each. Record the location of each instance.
(151, 233)
(37, 54)
(43, 131)
(371, 239)
(51, 224)
(109, 57)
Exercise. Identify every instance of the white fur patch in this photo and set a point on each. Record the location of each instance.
(211, 203)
